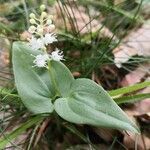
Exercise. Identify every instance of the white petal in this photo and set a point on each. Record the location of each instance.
(49, 38)
(41, 60)
(57, 55)
(36, 44)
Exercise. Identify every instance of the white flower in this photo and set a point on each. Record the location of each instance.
(36, 44)
(41, 60)
(49, 38)
(57, 55)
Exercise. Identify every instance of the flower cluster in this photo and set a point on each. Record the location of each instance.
(42, 35)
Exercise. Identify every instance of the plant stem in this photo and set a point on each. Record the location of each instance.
(53, 79)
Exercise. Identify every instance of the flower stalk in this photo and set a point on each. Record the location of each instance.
(42, 35)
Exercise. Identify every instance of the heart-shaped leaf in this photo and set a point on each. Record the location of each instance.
(31, 83)
(88, 103)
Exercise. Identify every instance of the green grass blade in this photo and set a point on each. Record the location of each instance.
(129, 89)
(6, 28)
(6, 92)
(73, 129)
(9, 137)
(111, 8)
(132, 98)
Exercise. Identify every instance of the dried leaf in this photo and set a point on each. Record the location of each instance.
(136, 76)
(106, 134)
(4, 61)
(141, 141)
(81, 19)
(136, 43)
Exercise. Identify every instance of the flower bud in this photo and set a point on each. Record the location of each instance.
(42, 7)
(44, 14)
(32, 29)
(49, 21)
(51, 27)
(32, 21)
(40, 30)
(50, 17)
(32, 15)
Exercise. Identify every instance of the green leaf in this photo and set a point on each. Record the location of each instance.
(62, 77)
(132, 98)
(36, 86)
(9, 137)
(129, 89)
(33, 85)
(89, 103)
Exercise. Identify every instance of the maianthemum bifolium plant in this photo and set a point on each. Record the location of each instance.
(46, 85)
